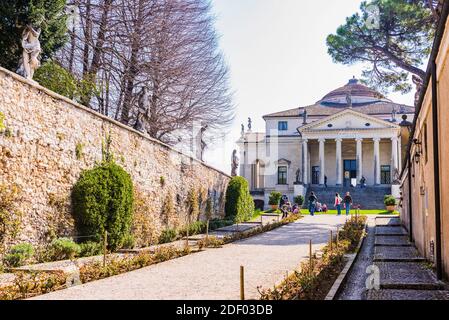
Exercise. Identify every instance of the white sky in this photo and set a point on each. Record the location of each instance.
(277, 55)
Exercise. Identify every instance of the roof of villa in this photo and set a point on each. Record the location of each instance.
(353, 94)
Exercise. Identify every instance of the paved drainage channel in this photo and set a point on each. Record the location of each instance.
(402, 273)
(354, 287)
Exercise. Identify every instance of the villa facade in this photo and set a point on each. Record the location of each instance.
(352, 132)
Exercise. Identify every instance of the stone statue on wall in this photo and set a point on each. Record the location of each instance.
(298, 176)
(31, 50)
(250, 124)
(242, 131)
(349, 100)
(235, 163)
(143, 107)
(200, 143)
(418, 84)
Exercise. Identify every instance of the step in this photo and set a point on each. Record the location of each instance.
(388, 222)
(395, 241)
(390, 231)
(407, 275)
(396, 254)
(394, 294)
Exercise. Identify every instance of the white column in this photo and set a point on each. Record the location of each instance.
(399, 155)
(322, 162)
(376, 161)
(339, 163)
(304, 162)
(359, 156)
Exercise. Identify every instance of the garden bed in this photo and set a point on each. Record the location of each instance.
(33, 280)
(316, 276)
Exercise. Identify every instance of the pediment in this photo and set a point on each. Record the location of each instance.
(348, 119)
(283, 161)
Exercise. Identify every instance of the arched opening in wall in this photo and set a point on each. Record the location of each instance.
(257, 175)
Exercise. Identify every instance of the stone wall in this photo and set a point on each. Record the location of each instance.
(49, 140)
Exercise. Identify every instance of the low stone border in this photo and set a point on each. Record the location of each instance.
(338, 284)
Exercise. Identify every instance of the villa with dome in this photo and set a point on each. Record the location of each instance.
(352, 132)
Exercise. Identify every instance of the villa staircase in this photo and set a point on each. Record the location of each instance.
(371, 197)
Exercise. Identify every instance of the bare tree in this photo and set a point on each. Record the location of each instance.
(169, 47)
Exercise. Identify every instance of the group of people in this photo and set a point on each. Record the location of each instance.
(314, 206)
(286, 207)
(339, 203)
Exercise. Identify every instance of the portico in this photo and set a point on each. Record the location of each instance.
(345, 155)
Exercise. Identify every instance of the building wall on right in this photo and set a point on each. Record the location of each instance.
(422, 200)
(443, 127)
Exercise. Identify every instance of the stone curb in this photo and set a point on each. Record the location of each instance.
(338, 284)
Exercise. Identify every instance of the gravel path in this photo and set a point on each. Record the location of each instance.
(214, 273)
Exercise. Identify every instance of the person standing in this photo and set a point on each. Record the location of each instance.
(348, 202)
(337, 203)
(312, 203)
(325, 181)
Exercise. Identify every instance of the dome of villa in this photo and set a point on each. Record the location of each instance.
(354, 93)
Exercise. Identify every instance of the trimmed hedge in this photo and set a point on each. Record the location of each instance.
(102, 199)
(239, 204)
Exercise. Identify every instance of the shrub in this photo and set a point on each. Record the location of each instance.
(129, 242)
(90, 248)
(299, 200)
(219, 223)
(274, 198)
(2, 124)
(389, 200)
(10, 217)
(18, 255)
(193, 209)
(169, 216)
(239, 205)
(168, 235)
(64, 248)
(146, 225)
(54, 77)
(196, 227)
(102, 200)
(209, 208)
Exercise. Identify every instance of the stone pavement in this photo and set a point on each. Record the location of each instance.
(214, 273)
(403, 273)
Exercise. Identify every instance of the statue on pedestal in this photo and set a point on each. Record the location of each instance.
(249, 124)
(235, 163)
(31, 50)
(298, 176)
(143, 107)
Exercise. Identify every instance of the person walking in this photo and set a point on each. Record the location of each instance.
(348, 202)
(337, 203)
(312, 203)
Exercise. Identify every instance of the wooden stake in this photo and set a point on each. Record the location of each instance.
(331, 241)
(105, 247)
(337, 235)
(310, 257)
(242, 283)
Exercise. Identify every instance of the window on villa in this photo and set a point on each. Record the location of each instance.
(282, 175)
(282, 125)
